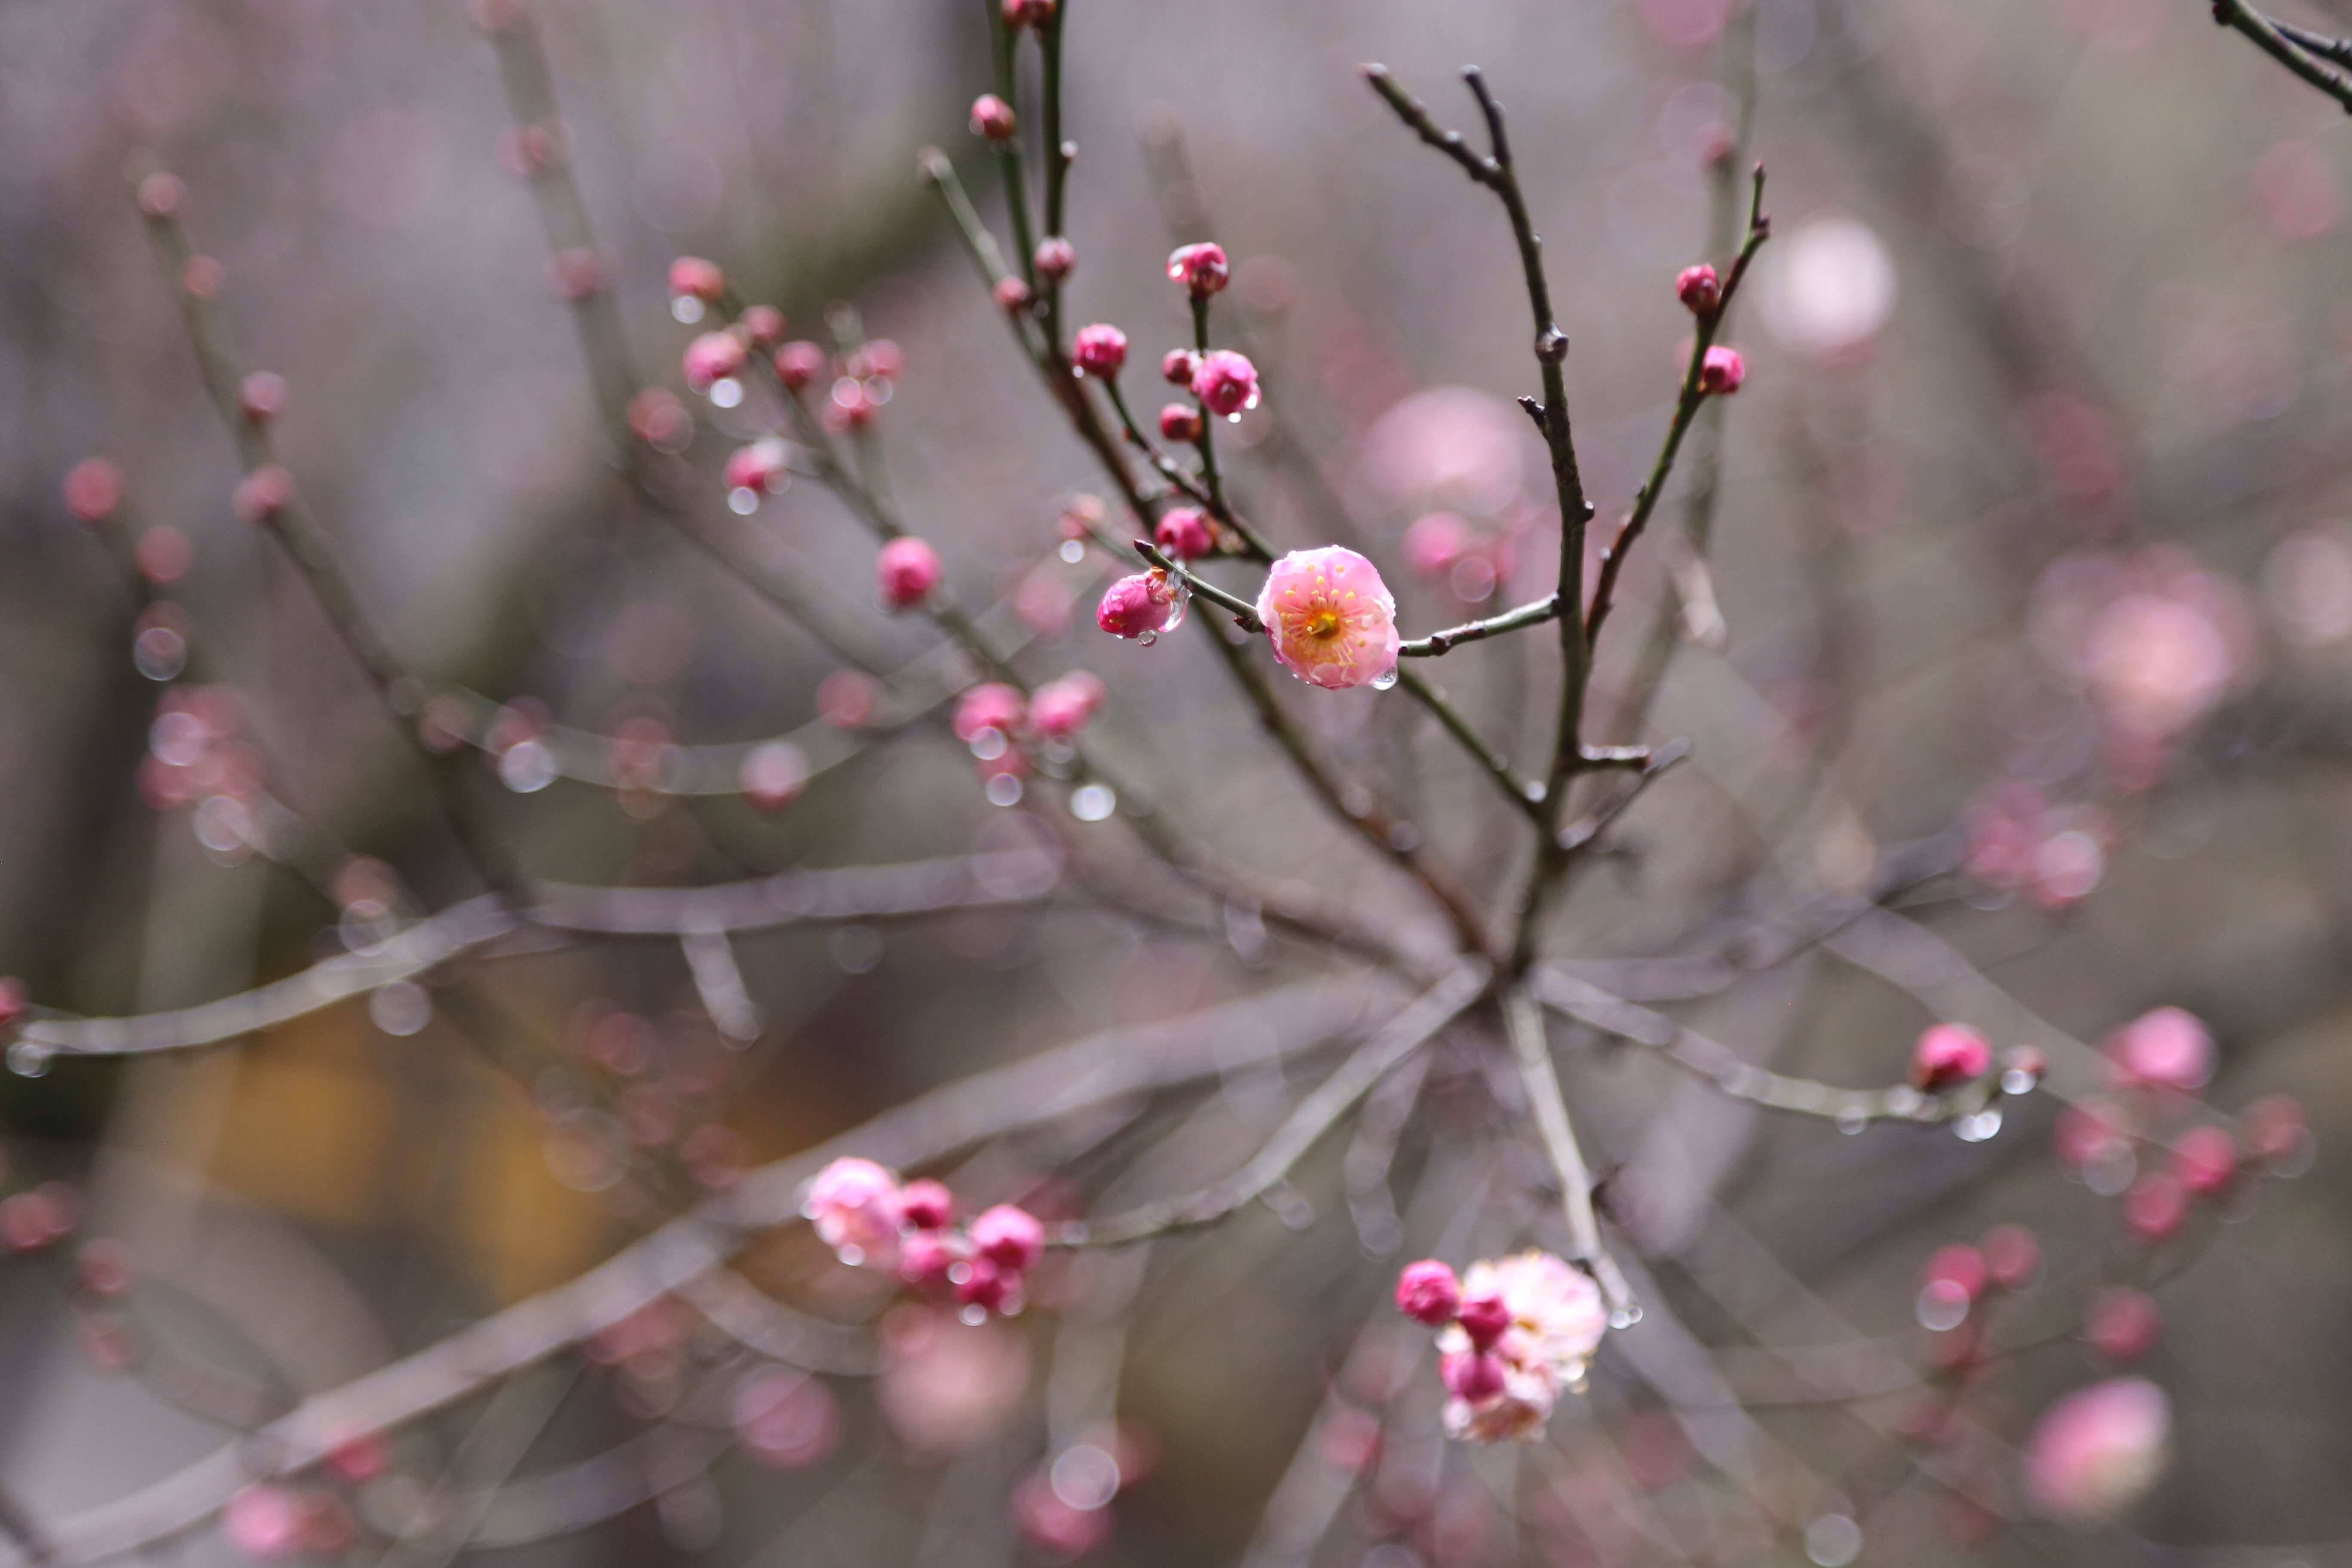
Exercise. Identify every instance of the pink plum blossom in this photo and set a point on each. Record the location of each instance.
(1332, 620)
(692, 277)
(1099, 350)
(1554, 1321)
(2098, 1450)
(1183, 531)
(711, 358)
(1225, 382)
(906, 571)
(2167, 1049)
(854, 1204)
(1009, 1236)
(926, 1205)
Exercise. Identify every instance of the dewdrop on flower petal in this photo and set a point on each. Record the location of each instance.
(1331, 619)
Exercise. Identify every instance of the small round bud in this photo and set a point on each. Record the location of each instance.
(1202, 269)
(852, 406)
(1062, 707)
(1099, 350)
(1700, 290)
(262, 397)
(906, 571)
(990, 706)
(928, 1257)
(262, 494)
(1225, 382)
(1137, 606)
(692, 277)
(1428, 1292)
(712, 358)
(1472, 1377)
(92, 490)
(1183, 531)
(2123, 1324)
(202, 278)
(927, 1204)
(1176, 367)
(761, 466)
(1484, 1318)
(992, 117)
(2204, 1159)
(1949, 1054)
(161, 196)
(1009, 1236)
(2155, 1208)
(1012, 295)
(2276, 1128)
(1028, 13)
(799, 363)
(1721, 372)
(1959, 1266)
(765, 324)
(106, 1267)
(1178, 422)
(1056, 258)
(990, 1288)
(658, 419)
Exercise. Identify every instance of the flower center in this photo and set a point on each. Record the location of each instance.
(1324, 624)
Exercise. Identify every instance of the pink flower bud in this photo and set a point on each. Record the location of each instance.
(1028, 13)
(1176, 367)
(264, 1522)
(1009, 1236)
(906, 571)
(1062, 707)
(262, 494)
(2123, 1324)
(1012, 295)
(993, 706)
(1178, 422)
(1435, 543)
(1484, 1318)
(93, 488)
(1184, 532)
(2011, 1256)
(360, 1457)
(762, 466)
(658, 419)
(1201, 268)
(927, 1204)
(162, 196)
(878, 359)
(1056, 258)
(14, 1000)
(2155, 1208)
(1331, 619)
(772, 775)
(992, 117)
(987, 1286)
(1226, 383)
(713, 357)
(1099, 350)
(928, 1257)
(1138, 605)
(261, 397)
(765, 324)
(2098, 1450)
(576, 272)
(2167, 1049)
(692, 277)
(1721, 372)
(1472, 1377)
(2204, 1159)
(1949, 1054)
(799, 364)
(1428, 1293)
(2276, 1131)
(1699, 289)
(1960, 1266)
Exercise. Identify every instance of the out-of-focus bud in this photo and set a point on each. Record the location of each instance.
(658, 419)
(1056, 258)
(1184, 532)
(993, 118)
(2122, 1324)
(263, 494)
(761, 466)
(927, 1204)
(1012, 295)
(576, 272)
(1428, 1292)
(93, 490)
(2204, 1159)
(765, 323)
(1176, 366)
(1202, 269)
(1099, 350)
(906, 571)
(692, 277)
(2012, 1255)
(2155, 1207)
(990, 706)
(1009, 1236)
(1028, 13)
(772, 775)
(261, 397)
(712, 358)
(1062, 707)
(161, 196)
(1178, 422)
(799, 364)
(1949, 1054)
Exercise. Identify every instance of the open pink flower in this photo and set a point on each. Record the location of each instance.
(2096, 1451)
(1332, 620)
(854, 1206)
(1555, 1321)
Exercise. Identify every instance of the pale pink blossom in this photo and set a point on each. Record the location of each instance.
(1332, 620)
(2168, 1047)
(2098, 1450)
(1555, 1321)
(1062, 707)
(854, 1204)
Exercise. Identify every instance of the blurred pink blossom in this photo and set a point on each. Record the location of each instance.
(1555, 1322)
(2097, 1451)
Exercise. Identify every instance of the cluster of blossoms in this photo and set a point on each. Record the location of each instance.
(1002, 727)
(1514, 1333)
(861, 1211)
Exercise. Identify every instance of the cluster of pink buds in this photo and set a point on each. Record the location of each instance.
(994, 715)
(197, 750)
(861, 1211)
(1513, 1335)
(2149, 1142)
